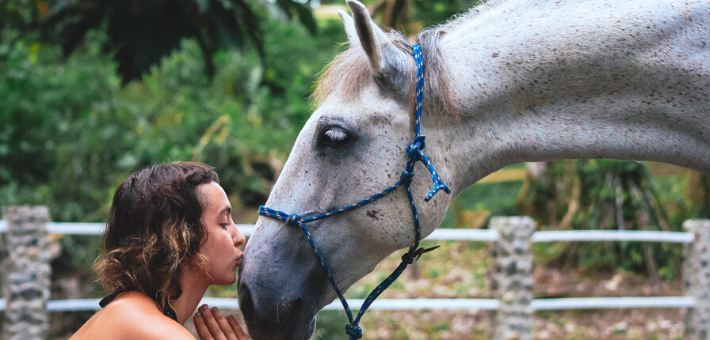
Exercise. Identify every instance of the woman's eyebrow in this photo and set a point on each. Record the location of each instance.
(226, 209)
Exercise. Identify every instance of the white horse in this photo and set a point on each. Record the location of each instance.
(510, 81)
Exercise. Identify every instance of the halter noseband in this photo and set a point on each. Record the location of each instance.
(415, 154)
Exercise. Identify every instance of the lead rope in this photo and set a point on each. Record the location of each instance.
(415, 154)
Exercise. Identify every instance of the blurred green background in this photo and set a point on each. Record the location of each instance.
(89, 95)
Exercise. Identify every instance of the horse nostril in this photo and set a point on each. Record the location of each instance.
(246, 303)
(288, 308)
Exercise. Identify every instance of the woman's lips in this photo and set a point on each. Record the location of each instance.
(239, 259)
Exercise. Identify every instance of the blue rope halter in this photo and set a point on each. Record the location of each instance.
(415, 154)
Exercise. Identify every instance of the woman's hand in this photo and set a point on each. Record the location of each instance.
(211, 325)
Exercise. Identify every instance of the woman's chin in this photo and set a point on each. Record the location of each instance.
(226, 280)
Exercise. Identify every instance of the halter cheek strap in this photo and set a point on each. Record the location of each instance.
(415, 154)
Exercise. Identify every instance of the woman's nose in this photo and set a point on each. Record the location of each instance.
(239, 238)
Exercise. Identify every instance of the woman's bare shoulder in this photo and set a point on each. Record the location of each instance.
(132, 315)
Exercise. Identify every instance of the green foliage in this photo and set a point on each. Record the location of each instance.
(82, 251)
(610, 194)
(19, 19)
(70, 133)
(498, 198)
(139, 34)
(627, 185)
(490, 196)
(331, 325)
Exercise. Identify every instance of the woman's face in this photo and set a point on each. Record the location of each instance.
(223, 237)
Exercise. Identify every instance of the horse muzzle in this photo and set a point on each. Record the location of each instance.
(279, 290)
(271, 318)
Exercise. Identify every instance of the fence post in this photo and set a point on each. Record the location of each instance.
(27, 272)
(512, 280)
(696, 280)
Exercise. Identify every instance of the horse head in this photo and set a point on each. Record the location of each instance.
(353, 146)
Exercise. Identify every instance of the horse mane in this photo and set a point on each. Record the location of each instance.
(350, 72)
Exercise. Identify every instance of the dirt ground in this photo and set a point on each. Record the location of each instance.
(647, 323)
(597, 324)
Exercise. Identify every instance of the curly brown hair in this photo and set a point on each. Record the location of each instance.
(154, 230)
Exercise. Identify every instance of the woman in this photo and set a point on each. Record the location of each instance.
(169, 236)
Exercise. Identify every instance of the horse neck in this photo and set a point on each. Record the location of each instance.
(538, 81)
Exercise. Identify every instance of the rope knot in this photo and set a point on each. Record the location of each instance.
(412, 256)
(408, 258)
(417, 145)
(354, 331)
(293, 219)
(420, 139)
(406, 177)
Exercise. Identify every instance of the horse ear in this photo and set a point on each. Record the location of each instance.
(349, 28)
(387, 61)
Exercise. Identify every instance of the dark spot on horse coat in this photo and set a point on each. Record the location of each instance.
(373, 214)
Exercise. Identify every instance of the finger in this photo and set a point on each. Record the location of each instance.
(223, 324)
(201, 327)
(237, 328)
(212, 324)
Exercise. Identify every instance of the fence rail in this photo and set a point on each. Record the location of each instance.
(482, 235)
(510, 240)
(76, 305)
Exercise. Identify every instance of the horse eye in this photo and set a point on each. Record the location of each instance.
(335, 136)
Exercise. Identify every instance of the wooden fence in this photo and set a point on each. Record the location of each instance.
(26, 275)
